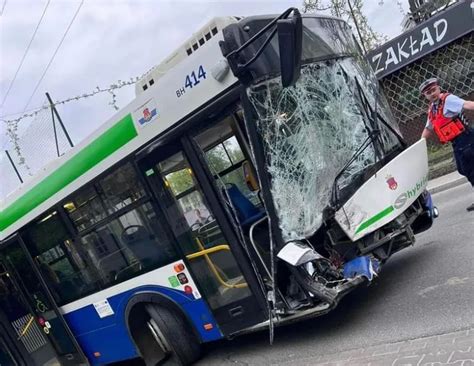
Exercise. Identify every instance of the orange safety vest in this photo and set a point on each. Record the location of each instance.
(447, 129)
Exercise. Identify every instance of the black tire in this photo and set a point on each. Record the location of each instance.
(184, 347)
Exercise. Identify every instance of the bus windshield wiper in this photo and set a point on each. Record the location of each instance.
(366, 143)
(373, 114)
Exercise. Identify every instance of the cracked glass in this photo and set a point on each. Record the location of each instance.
(309, 133)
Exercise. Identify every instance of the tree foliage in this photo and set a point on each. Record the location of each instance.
(180, 180)
(350, 11)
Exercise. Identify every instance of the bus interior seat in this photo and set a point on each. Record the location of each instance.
(247, 212)
(141, 244)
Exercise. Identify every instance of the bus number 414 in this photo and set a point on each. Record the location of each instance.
(191, 80)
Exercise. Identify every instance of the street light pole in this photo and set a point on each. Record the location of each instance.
(357, 26)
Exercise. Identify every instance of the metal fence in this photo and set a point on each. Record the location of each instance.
(453, 65)
(29, 149)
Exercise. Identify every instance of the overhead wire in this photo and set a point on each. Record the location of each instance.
(3, 116)
(24, 54)
(3, 7)
(53, 56)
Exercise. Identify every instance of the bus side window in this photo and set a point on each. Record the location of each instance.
(64, 267)
(119, 236)
(108, 195)
(229, 162)
(131, 244)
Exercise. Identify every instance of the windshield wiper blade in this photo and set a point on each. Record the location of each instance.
(367, 108)
(371, 138)
(366, 143)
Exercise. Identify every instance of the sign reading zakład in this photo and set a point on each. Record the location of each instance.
(438, 31)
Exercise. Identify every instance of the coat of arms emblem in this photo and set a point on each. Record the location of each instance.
(392, 183)
(146, 114)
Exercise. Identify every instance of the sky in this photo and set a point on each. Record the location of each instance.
(80, 45)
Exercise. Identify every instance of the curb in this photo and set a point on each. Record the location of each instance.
(444, 186)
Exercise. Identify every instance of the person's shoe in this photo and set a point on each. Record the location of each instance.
(470, 208)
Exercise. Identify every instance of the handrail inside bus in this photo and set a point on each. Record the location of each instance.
(215, 270)
(203, 252)
(254, 244)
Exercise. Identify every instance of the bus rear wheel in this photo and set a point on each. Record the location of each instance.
(174, 335)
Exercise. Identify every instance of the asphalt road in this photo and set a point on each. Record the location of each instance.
(423, 290)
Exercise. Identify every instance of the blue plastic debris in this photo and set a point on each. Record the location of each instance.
(362, 266)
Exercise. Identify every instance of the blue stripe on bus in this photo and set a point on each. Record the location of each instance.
(109, 335)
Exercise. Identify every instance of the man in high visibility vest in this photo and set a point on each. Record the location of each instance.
(447, 123)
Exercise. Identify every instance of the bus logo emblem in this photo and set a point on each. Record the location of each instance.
(392, 183)
(147, 115)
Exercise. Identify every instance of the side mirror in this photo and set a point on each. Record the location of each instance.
(290, 42)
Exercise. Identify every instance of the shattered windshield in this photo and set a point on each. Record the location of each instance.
(310, 131)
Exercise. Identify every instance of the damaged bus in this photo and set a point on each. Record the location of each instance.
(257, 177)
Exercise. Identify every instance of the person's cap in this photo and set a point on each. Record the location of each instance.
(425, 84)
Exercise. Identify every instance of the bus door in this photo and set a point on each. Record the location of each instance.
(29, 314)
(201, 230)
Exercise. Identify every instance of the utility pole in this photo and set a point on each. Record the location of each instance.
(55, 113)
(357, 26)
(14, 166)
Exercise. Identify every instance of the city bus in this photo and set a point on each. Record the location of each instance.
(257, 178)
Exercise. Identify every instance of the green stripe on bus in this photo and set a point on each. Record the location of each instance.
(375, 218)
(99, 149)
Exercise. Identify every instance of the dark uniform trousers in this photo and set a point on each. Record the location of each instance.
(463, 147)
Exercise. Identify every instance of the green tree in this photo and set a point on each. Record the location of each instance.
(180, 180)
(350, 11)
(218, 159)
